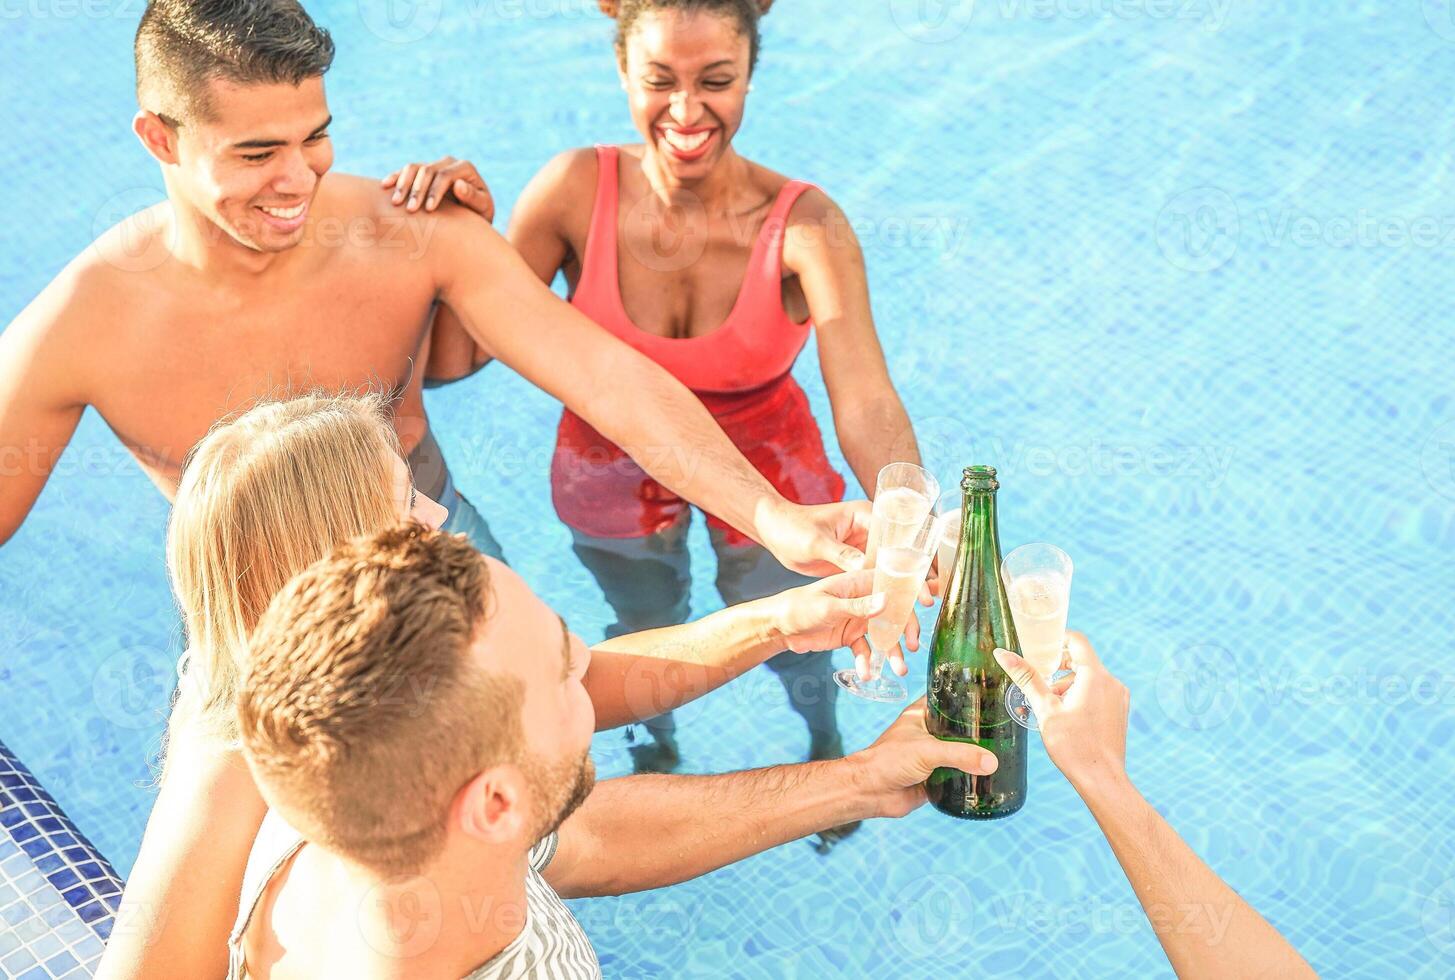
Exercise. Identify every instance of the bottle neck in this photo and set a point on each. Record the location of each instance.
(980, 535)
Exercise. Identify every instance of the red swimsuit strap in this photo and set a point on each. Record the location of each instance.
(594, 291)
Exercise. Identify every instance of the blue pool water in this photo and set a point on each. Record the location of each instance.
(1181, 270)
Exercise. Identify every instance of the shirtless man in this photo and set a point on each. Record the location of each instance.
(262, 274)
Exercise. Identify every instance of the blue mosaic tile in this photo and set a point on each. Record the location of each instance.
(58, 896)
(45, 946)
(61, 963)
(17, 961)
(64, 878)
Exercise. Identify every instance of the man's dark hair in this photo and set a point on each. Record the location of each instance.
(182, 45)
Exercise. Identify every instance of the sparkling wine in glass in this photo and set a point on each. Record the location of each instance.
(904, 495)
(1037, 581)
(899, 572)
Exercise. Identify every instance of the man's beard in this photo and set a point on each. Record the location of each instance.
(561, 788)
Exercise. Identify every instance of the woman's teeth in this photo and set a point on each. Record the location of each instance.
(684, 142)
(285, 214)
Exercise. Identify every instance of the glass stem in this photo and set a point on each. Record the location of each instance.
(876, 662)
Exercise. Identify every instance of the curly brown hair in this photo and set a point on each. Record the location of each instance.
(361, 712)
(744, 12)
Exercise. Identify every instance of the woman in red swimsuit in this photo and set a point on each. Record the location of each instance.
(717, 268)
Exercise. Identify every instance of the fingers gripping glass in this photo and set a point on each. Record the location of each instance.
(1037, 581)
(899, 571)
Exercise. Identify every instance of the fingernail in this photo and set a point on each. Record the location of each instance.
(413, 200)
(398, 196)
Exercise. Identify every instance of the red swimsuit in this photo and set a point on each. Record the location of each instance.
(740, 370)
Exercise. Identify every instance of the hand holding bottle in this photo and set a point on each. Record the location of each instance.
(891, 773)
(1084, 729)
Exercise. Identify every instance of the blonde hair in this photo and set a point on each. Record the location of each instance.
(262, 496)
(361, 711)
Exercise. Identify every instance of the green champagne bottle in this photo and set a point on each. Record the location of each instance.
(966, 686)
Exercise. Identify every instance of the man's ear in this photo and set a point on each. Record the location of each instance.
(491, 808)
(159, 139)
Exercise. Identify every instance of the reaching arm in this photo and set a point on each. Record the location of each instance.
(873, 427)
(627, 397)
(642, 675)
(41, 396)
(535, 232)
(1206, 928)
(181, 899)
(643, 832)
(452, 354)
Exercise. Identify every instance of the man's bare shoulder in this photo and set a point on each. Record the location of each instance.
(101, 285)
(358, 214)
(348, 196)
(351, 196)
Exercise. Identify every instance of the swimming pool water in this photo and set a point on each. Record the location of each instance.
(1180, 270)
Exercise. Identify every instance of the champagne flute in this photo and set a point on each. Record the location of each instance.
(899, 573)
(903, 494)
(1037, 581)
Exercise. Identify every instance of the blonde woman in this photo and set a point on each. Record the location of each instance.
(261, 497)
(265, 495)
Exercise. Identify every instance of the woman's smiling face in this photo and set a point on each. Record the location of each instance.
(686, 77)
